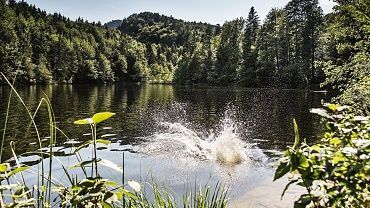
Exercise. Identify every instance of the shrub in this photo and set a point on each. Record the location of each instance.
(336, 171)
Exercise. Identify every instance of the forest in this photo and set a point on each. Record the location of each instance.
(293, 47)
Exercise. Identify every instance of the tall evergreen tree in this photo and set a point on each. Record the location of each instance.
(268, 46)
(229, 52)
(248, 72)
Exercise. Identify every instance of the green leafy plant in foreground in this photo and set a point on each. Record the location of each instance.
(97, 118)
(94, 190)
(336, 171)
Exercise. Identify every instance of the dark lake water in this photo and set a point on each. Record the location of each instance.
(172, 135)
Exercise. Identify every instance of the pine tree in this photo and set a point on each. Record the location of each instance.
(228, 55)
(248, 72)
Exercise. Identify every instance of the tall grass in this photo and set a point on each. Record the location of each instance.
(92, 189)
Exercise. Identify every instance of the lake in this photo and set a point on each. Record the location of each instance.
(176, 136)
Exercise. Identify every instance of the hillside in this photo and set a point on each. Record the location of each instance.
(156, 28)
(114, 24)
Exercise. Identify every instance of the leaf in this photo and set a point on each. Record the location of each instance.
(294, 161)
(84, 121)
(111, 165)
(335, 141)
(333, 107)
(362, 143)
(296, 135)
(321, 112)
(361, 118)
(84, 145)
(286, 154)
(338, 158)
(349, 150)
(303, 201)
(287, 186)
(125, 192)
(111, 183)
(281, 170)
(82, 163)
(103, 141)
(99, 117)
(87, 183)
(18, 170)
(4, 167)
(307, 182)
(110, 197)
(303, 161)
(134, 185)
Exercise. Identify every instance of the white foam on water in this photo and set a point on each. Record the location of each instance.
(175, 139)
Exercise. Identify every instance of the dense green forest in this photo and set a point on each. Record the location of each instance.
(292, 47)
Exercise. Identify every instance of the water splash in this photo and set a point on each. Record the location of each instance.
(178, 140)
(229, 149)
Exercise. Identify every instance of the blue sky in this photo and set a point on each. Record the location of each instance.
(211, 11)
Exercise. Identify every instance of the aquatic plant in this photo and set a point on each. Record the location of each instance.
(43, 192)
(93, 190)
(97, 118)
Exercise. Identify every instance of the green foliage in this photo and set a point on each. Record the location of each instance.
(250, 54)
(19, 192)
(336, 171)
(97, 118)
(358, 95)
(286, 45)
(229, 52)
(201, 197)
(45, 48)
(206, 197)
(89, 192)
(154, 28)
(344, 53)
